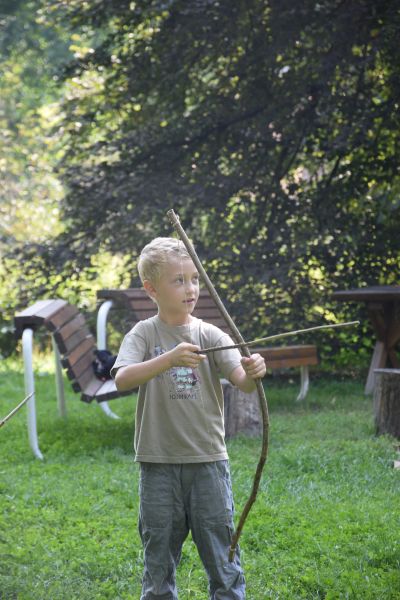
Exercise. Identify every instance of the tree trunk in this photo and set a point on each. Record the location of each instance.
(387, 401)
(241, 412)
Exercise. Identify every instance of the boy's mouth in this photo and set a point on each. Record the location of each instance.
(190, 301)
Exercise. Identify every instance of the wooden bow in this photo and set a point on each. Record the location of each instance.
(260, 390)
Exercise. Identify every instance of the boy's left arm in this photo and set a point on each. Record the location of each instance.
(252, 368)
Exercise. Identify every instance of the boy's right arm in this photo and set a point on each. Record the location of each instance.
(132, 376)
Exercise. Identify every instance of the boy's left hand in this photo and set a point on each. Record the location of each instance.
(254, 366)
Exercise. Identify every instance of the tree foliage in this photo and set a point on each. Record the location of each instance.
(33, 55)
(271, 127)
(30, 53)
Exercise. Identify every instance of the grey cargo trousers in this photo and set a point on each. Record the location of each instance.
(176, 498)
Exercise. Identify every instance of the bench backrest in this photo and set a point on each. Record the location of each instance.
(71, 333)
(142, 307)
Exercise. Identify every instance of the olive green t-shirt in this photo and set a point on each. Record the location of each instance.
(179, 413)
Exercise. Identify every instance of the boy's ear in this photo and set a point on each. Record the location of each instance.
(150, 289)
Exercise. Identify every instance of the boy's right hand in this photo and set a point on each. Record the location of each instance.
(184, 355)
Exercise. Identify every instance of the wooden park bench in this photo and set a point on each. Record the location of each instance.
(74, 348)
(140, 306)
(241, 411)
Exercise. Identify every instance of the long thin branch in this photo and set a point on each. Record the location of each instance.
(20, 405)
(276, 337)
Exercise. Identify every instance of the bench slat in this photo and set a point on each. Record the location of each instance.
(52, 308)
(287, 351)
(75, 371)
(69, 328)
(142, 304)
(288, 356)
(76, 354)
(121, 295)
(285, 363)
(66, 346)
(67, 313)
(35, 309)
(90, 390)
(137, 299)
(107, 391)
(80, 383)
(37, 314)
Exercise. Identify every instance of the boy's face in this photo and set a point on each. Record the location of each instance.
(177, 290)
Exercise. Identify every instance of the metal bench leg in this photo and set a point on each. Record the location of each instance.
(102, 345)
(304, 383)
(62, 407)
(102, 324)
(27, 346)
(107, 410)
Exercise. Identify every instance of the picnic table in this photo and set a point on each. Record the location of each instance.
(383, 307)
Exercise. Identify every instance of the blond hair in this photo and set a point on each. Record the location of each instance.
(158, 253)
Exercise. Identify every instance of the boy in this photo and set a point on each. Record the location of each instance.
(179, 434)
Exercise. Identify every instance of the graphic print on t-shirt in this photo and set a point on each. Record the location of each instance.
(184, 378)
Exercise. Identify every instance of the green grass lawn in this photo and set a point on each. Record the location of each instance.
(325, 524)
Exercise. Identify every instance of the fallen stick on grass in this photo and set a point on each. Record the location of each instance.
(12, 413)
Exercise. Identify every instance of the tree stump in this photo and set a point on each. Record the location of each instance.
(387, 401)
(241, 412)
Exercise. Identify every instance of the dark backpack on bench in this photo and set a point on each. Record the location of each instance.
(103, 363)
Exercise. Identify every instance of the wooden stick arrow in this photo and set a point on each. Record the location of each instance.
(275, 337)
(12, 413)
